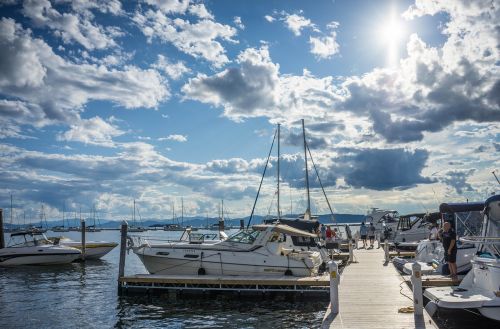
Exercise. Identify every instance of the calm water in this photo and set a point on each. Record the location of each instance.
(85, 296)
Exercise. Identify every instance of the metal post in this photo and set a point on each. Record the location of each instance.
(416, 282)
(334, 287)
(2, 240)
(123, 249)
(242, 224)
(351, 256)
(84, 229)
(386, 251)
(221, 225)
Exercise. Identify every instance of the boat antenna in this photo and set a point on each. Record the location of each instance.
(278, 169)
(261, 180)
(493, 172)
(307, 215)
(321, 184)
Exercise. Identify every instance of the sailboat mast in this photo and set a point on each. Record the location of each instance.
(133, 218)
(278, 169)
(222, 210)
(182, 212)
(308, 210)
(11, 209)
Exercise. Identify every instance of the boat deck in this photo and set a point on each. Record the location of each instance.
(372, 295)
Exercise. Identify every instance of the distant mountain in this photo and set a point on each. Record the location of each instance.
(198, 221)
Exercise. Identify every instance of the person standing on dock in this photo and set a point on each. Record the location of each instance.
(371, 234)
(363, 231)
(328, 234)
(449, 237)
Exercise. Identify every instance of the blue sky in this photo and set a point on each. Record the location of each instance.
(103, 102)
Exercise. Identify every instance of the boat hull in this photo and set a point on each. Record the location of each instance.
(37, 256)
(93, 250)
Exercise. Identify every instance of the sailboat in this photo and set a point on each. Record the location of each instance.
(93, 227)
(257, 250)
(62, 228)
(174, 227)
(134, 227)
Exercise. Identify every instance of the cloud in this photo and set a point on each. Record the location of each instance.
(296, 23)
(43, 88)
(325, 47)
(94, 131)
(457, 179)
(269, 18)
(237, 21)
(201, 11)
(71, 27)
(170, 6)
(199, 39)
(174, 71)
(176, 138)
(383, 169)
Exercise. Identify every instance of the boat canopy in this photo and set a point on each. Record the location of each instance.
(460, 207)
(298, 223)
(285, 229)
(28, 232)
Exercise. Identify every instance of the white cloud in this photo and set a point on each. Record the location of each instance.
(94, 131)
(49, 89)
(296, 23)
(237, 21)
(176, 138)
(200, 39)
(70, 27)
(170, 6)
(269, 18)
(324, 47)
(201, 11)
(174, 71)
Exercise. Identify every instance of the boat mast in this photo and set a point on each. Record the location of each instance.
(278, 168)
(11, 210)
(182, 211)
(222, 209)
(307, 215)
(133, 217)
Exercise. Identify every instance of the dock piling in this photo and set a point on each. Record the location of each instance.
(334, 286)
(2, 240)
(351, 256)
(123, 249)
(386, 251)
(416, 282)
(84, 230)
(242, 224)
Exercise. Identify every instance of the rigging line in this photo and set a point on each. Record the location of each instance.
(321, 184)
(261, 180)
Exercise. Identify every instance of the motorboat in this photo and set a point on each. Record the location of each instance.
(259, 250)
(33, 248)
(93, 249)
(413, 228)
(480, 288)
(173, 228)
(385, 222)
(466, 220)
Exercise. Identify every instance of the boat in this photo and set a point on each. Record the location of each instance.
(134, 227)
(480, 288)
(385, 222)
(61, 228)
(273, 249)
(259, 250)
(33, 248)
(413, 228)
(93, 249)
(466, 220)
(173, 227)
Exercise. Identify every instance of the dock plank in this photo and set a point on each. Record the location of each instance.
(371, 293)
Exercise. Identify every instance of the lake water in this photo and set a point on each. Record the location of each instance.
(84, 295)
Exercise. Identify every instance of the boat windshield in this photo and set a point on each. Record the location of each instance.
(244, 237)
(27, 239)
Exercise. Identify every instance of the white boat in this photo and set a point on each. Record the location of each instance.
(256, 251)
(480, 288)
(93, 249)
(385, 222)
(413, 228)
(466, 219)
(33, 248)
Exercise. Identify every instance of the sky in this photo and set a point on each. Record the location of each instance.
(170, 101)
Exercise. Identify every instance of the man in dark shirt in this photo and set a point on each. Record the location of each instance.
(450, 248)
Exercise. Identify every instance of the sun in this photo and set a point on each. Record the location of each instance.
(390, 35)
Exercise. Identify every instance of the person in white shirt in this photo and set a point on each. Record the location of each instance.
(433, 233)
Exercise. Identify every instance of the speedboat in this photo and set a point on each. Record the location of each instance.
(385, 221)
(33, 248)
(412, 229)
(259, 250)
(466, 220)
(480, 288)
(93, 249)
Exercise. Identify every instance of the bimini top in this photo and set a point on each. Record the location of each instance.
(460, 207)
(27, 232)
(285, 229)
(492, 199)
(298, 223)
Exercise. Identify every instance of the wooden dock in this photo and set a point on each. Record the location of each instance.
(318, 285)
(372, 295)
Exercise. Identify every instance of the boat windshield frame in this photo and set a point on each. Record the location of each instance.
(244, 236)
(37, 238)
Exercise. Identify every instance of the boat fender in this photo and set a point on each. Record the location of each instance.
(201, 271)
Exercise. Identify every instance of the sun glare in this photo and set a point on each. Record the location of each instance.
(390, 35)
